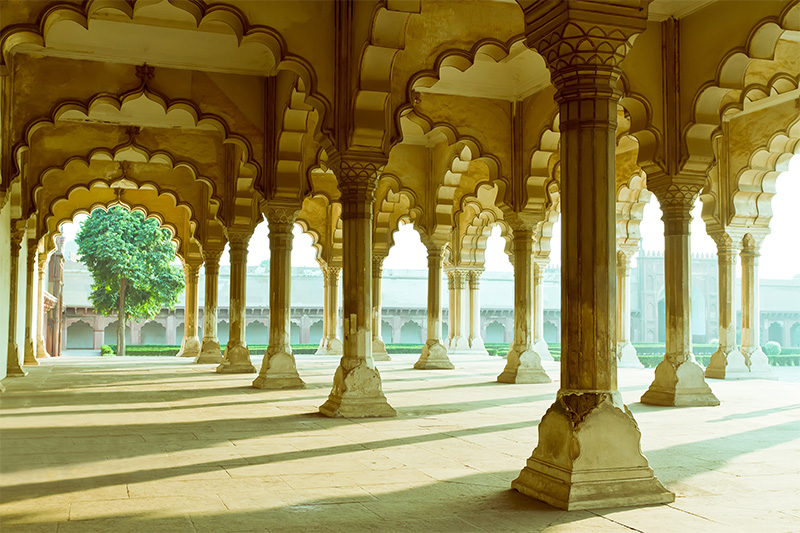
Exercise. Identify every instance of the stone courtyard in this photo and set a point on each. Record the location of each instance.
(161, 445)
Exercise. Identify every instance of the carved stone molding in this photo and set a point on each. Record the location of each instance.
(192, 272)
(377, 265)
(358, 179)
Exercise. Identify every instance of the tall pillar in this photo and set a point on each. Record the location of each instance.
(678, 379)
(13, 367)
(727, 362)
(379, 352)
(357, 390)
(539, 344)
(475, 339)
(523, 364)
(626, 353)
(41, 348)
(434, 354)
(458, 284)
(330, 343)
(190, 345)
(210, 352)
(237, 355)
(755, 359)
(29, 357)
(589, 453)
(279, 369)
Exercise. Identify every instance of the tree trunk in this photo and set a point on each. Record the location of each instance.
(123, 284)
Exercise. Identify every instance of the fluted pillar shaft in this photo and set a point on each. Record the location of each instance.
(13, 367)
(756, 360)
(357, 390)
(523, 364)
(679, 380)
(539, 344)
(279, 369)
(475, 339)
(237, 356)
(210, 352)
(41, 349)
(190, 345)
(379, 352)
(29, 357)
(573, 466)
(434, 354)
(626, 353)
(330, 343)
(458, 312)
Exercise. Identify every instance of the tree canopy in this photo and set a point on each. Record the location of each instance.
(130, 259)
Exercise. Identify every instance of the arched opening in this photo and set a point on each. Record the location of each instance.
(551, 333)
(411, 333)
(775, 332)
(256, 332)
(223, 332)
(80, 336)
(386, 332)
(295, 333)
(153, 333)
(495, 332)
(794, 335)
(315, 332)
(110, 333)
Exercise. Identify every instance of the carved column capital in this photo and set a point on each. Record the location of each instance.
(33, 250)
(377, 265)
(727, 248)
(475, 278)
(192, 272)
(330, 274)
(358, 179)
(677, 201)
(751, 248)
(211, 258)
(42, 263)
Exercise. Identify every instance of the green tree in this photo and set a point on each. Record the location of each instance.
(130, 259)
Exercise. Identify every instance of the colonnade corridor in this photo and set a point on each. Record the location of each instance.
(160, 444)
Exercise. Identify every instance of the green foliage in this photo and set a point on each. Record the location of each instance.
(119, 244)
(106, 350)
(772, 348)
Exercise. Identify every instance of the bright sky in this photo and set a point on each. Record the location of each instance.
(780, 254)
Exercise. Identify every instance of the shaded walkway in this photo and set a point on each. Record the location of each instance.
(159, 444)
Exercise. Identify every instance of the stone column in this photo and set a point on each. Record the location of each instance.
(539, 344)
(458, 284)
(29, 357)
(190, 345)
(475, 339)
(330, 343)
(755, 359)
(589, 453)
(357, 390)
(237, 355)
(626, 353)
(727, 362)
(379, 352)
(434, 354)
(41, 348)
(678, 379)
(13, 367)
(210, 352)
(523, 364)
(279, 369)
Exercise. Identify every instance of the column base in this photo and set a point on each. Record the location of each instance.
(236, 361)
(589, 456)
(543, 350)
(210, 353)
(477, 347)
(29, 358)
(41, 349)
(13, 368)
(758, 365)
(357, 392)
(190, 347)
(523, 366)
(727, 365)
(279, 370)
(627, 357)
(458, 346)
(683, 386)
(330, 347)
(433, 357)
(2, 387)
(379, 352)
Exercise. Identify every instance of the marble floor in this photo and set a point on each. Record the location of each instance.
(161, 445)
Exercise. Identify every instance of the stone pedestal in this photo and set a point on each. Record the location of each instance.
(330, 343)
(41, 348)
(523, 364)
(357, 390)
(237, 356)
(756, 360)
(379, 352)
(678, 379)
(190, 345)
(279, 369)
(727, 362)
(434, 354)
(13, 367)
(589, 453)
(29, 357)
(210, 352)
(626, 353)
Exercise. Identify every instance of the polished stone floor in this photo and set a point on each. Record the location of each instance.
(160, 445)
